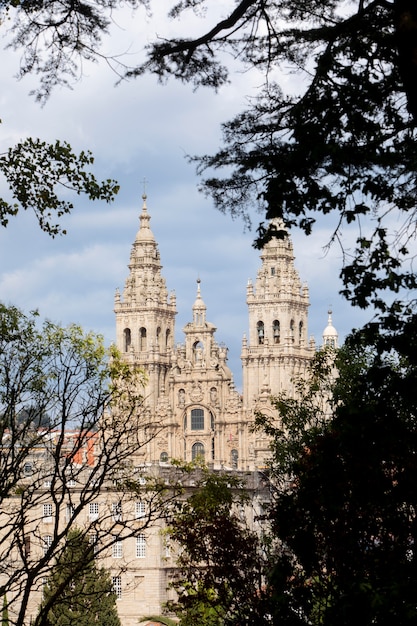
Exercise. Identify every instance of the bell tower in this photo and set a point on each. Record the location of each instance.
(145, 314)
(277, 349)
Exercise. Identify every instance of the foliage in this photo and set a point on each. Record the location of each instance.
(54, 37)
(77, 591)
(337, 138)
(57, 37)
(345, 509)
(36, 172)
(86, 449)
(302, 416)
(221, 560)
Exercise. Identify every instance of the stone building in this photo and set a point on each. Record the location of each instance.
(190, 386)
(194, 408)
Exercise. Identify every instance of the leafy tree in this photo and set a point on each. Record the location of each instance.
(35, 173)
(77, 591)
(221, 559)
(57, 37)
(49, 476)
(345, 504)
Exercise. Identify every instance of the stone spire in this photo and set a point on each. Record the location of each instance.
(144, 232)
(145, 314)
(199, 308)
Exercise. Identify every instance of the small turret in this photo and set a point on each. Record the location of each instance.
(330, 335)
(199, 308)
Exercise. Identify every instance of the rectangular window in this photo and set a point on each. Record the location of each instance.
(197, 419)
(27, 546)
(140, 546)
(93, 541)
(93, 511)
(117, 550)
(116, 509)
(117, 586)
(47, 542)
(47, 512)
(140, 510)
(28, 469)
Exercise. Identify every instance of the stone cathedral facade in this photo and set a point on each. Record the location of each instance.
(190, 387)
(192, 404)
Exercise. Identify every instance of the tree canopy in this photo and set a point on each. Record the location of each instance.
(39, 173)
(340, 141)
(344, 504)
(53, 37)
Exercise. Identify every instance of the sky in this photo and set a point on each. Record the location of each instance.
(141, 130)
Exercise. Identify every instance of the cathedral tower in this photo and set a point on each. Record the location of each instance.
(145, 314)
(277, 349)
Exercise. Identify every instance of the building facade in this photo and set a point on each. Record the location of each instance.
(190, 386)
(192, 410)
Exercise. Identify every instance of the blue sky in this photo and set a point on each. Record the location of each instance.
(142, 130)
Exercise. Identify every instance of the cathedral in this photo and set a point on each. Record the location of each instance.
(193, 410)
(190, 387)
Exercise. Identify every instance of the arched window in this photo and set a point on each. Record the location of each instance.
(234, 457)
(163, 458)
(158, 336)
(330, 341)
(292, 326)
(276, 331)
(142, 339)
(167, 337)
(197, 419)
(127, 337)
(300, 332)
(261, 332)
(197, 451)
